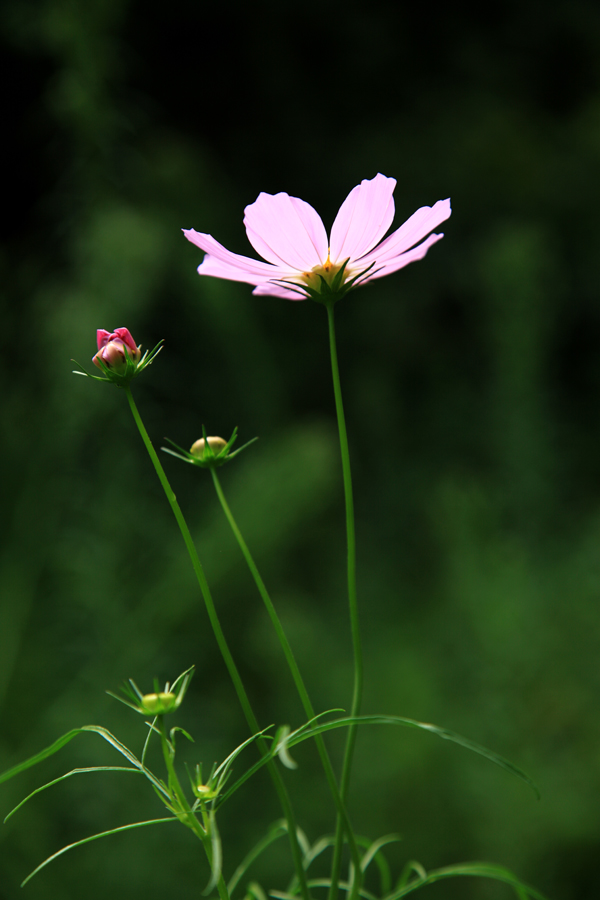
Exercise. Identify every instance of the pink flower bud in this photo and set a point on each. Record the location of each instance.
(111, 349)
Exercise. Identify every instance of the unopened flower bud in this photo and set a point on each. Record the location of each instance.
(205, 792)
(215, 445)
(158, 704)
(111, 350)
(208, 452)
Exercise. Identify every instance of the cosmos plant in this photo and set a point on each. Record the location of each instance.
(299, 261)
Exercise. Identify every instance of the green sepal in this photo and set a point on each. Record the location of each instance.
(328, 294)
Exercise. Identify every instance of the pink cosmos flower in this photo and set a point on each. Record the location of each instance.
(302, 261)
(111, 349)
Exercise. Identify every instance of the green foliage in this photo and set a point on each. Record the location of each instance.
(171, 795)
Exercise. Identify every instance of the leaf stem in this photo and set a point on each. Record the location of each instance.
(223, 646)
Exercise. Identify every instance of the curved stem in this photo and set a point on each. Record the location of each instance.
(352, 598)
(224, 648)
(293, 667)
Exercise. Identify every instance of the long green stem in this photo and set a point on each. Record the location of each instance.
(352, 599)
(224, 648)
(293, 667)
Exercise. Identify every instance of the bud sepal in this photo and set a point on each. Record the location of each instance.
(208, 452)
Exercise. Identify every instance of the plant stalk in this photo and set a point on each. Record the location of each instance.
(352, 600)
(224, 648)
(190, 819)
(293, 667)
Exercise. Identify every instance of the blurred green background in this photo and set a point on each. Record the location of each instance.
(471, 381)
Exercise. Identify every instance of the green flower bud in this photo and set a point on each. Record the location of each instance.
(204, 448)
(158, 704)
(205, 792)
(208, 452)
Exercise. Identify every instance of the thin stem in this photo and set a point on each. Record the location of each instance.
(224, 648)
(293, 667)
(190, 819)
(352, 600)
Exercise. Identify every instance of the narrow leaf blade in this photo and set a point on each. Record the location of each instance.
(68, 775)
(476, 870)
(41, 756)
(444, 733)
(95, 837)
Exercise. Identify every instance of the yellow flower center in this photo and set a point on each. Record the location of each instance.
(327, 271)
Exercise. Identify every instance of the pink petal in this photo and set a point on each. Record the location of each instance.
(287, 231)
(386, 268)
(363, 219)
(125, 335)
(413, 230)
(270, 289)
(102, 337)
(217, 269)
(113, 354)
(238, 268)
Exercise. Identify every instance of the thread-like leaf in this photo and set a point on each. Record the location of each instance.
(216, 854)
(308, 730)
(411, 866)
(281, 739)
(277, 830)
(62, 741)
(265, 759)
(151, 728)
(255, 890)
(41, 756)
(375, 847)
(68, 775)
(112, 740)
(221, 772)
(95, 837)
(328, 840)
(476, 870)
(374, 853)
(323, 882)
(299, 735)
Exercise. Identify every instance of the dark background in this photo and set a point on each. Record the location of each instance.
(471, 381)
